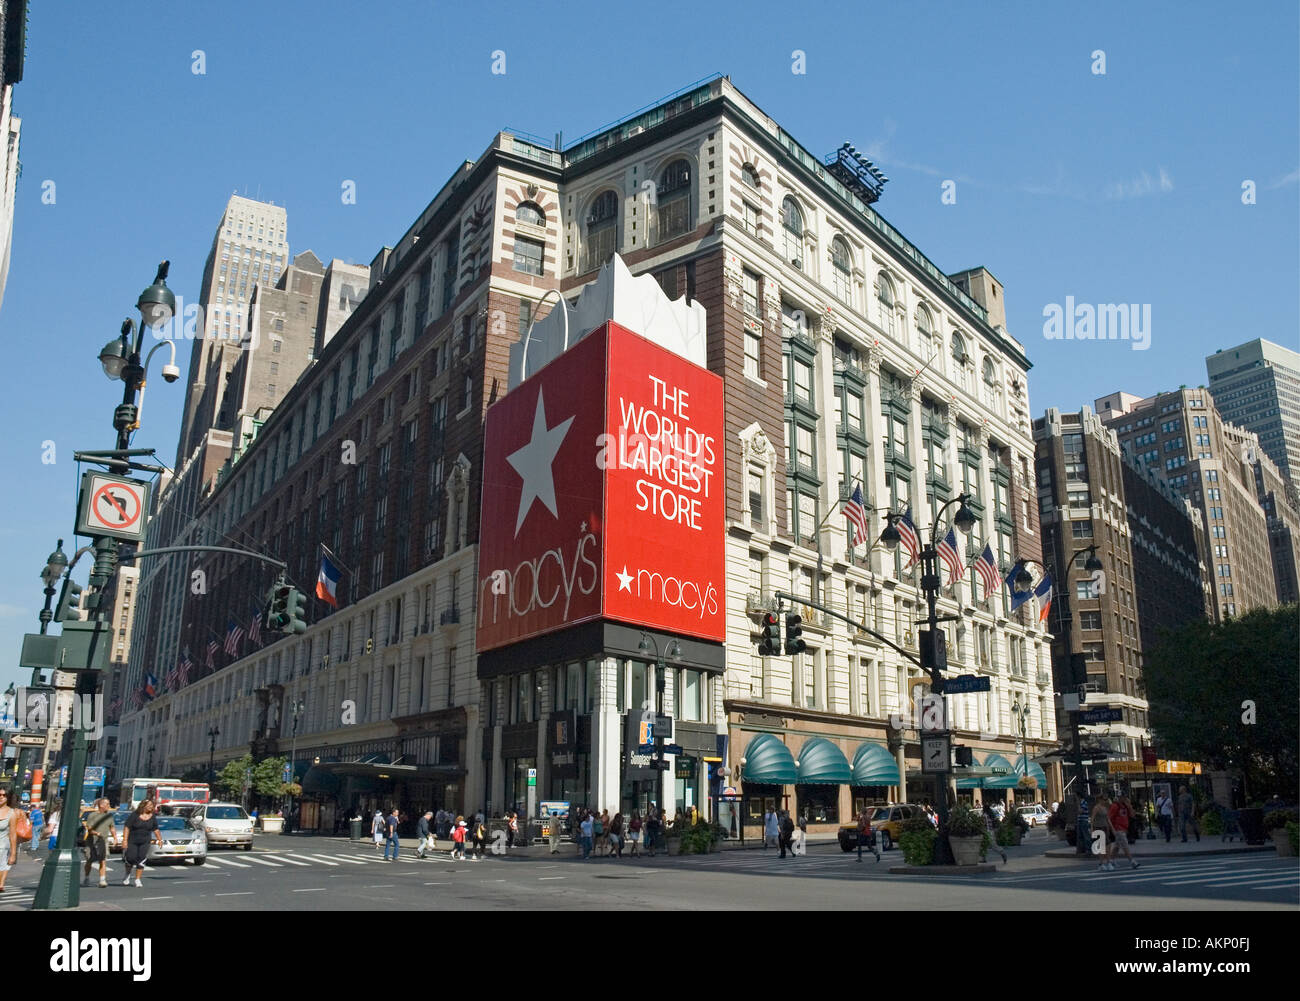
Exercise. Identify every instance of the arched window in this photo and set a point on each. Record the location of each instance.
(885, 299)
(792, 223)
(841, 269)
(749, 175)
(602, 231)
(992, 388)
(673, 202)
(531, 213)
(927, 341)
(961, 362)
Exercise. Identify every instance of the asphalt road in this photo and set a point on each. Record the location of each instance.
(305, 874)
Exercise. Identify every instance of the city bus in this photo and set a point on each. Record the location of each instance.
(167, 792)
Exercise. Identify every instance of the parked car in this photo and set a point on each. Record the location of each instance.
(182, 841)
(886, 821)
(224, 824)
(1034, 815)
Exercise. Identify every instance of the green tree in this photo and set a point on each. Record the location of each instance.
(268, 777)
(1228, 695)
(230, 780)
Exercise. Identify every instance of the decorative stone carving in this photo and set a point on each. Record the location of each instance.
(734, 278)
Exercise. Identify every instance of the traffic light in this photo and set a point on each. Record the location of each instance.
(964, 755)
(277, 609)
(295, 605)
(770, 644)
(69, 602)
(794, 633)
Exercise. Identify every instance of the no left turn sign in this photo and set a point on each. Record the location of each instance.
(112, 505)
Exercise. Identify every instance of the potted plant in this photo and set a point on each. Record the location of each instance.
(272, 823)
(1056, 824)
(966, 833)
(1275, 823)
(1012, 829)
(917, 841)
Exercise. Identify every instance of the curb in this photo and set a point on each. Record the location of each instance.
(1143, 856)
(941, 870)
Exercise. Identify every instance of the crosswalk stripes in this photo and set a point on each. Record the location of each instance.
(261, 861)
(288, 859)
(228, 861)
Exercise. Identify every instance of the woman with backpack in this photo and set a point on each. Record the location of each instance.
(458, 839)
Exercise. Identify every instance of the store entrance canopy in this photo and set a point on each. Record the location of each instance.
(873, 765)
(767, 761)
(822, 763)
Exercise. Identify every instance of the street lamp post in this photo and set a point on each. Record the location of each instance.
(673, 651)
(298, 707)
(149, 766)
(55, 564)
(121, 360)
(1021, 713)
(1023, 581)
(213, 734)
(930, 585)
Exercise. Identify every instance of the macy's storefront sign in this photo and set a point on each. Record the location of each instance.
(602, 495)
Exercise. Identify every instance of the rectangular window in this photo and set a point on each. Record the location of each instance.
(528, 256)
(749, 295)
(1089, 620)
(751, 218)
(753, 355)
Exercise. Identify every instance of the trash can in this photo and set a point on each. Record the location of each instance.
(354, 829)
(1251, 820)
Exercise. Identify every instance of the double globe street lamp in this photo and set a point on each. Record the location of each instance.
(931, 660)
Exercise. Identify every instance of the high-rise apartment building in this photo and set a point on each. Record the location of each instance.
(1181, 436)
(1281, 503)
(13, 43)
(1256, 386)
(1081, 502)
(847, 358)
(249, 248)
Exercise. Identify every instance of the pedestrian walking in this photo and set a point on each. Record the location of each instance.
(787, 832)
(479, 838)
(52, 828)
(1187, 814)
(377, 828)
(866, 834)
(991, 825)
(512, 828)
(600, 830)
(771, 828)
(587, 827)
(1100, 821)
(634, 832)
(1121, 816)
(37, 817)
(616, 835)
(652, 827)
(799, 844)
(390, 835)
(424, 835)
(1165, 815)
(98, 822)
(9, 815)
(141, 828)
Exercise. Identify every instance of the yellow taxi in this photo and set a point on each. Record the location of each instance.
(886, 821)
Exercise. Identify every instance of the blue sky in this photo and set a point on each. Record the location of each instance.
(1117, 188)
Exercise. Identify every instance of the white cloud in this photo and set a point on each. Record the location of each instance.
(1282, 182)
(12, 611)
(1139, 187)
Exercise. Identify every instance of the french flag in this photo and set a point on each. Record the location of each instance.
(327, 581)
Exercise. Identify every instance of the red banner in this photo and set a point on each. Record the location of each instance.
(603, 495)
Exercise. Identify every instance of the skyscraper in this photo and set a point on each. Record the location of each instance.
(13, 39)
(1256, 386)
(250, 248)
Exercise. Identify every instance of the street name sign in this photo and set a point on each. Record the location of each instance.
(965, 683)
(1101, 716)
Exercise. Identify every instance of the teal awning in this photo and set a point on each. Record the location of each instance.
(822, 763)
(1012, 779)
(873, 765)
(768, 761)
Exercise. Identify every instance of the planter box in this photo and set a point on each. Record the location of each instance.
(1283, 842)
(271, 825)
(966, 851)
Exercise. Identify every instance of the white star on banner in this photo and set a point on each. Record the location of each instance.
(624, 580)
(533, 463)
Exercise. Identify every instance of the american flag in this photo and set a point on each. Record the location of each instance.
(988, 570)
(907, 533)
(856, 512)
(947, 550)
(115, 707)
(255, 627)
(183, 671)
(213, 647)
(234, 633)
(170, 681)
(137, 700)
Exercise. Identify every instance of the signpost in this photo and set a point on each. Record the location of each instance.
(966, 683)
(112, 506)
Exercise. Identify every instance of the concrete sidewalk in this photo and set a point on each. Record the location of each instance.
(1147, 848)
